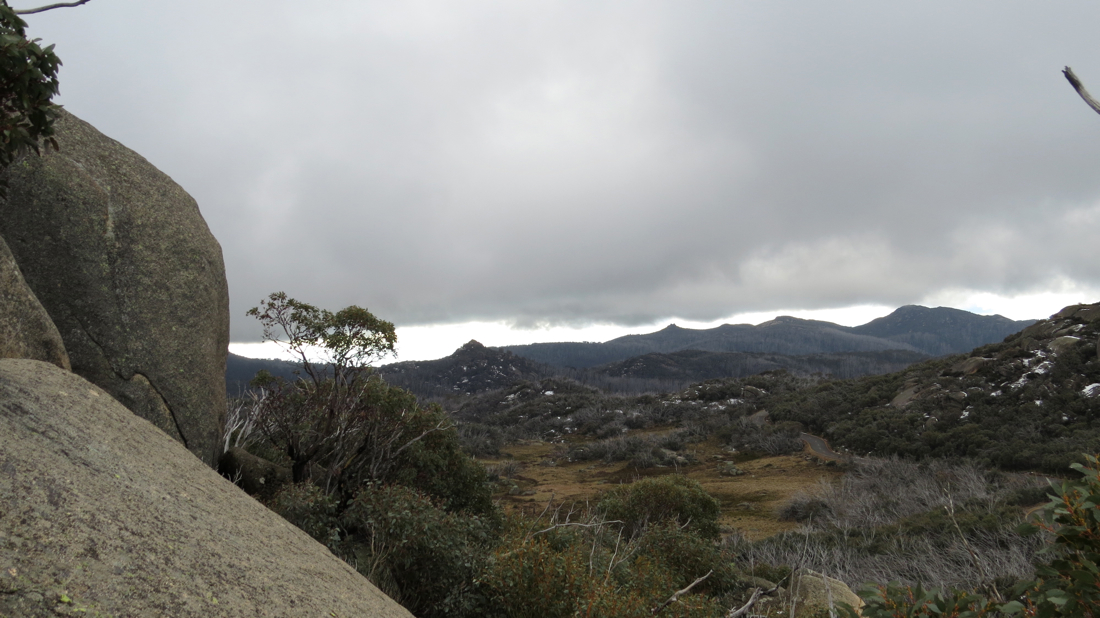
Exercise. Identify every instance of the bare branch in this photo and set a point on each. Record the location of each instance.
(43, 9)
(1080, 88)
(541, 515)
(756, 594)
(440, 426)
(578, 524)
(676, 597)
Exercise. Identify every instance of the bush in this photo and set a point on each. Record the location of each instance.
(652, 501)
(347, 435)
(437, 466)
(767, 439)
(308, 507)
(1028, 496)
(641, 451)
(415, 550)
(580, 571)
(481, 440)
(533, 579)
(802, 508)
(503, 470)
(687, 556)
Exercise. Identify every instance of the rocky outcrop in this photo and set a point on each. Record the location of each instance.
(813, 592)
(101, 514)
(120, 257)
(26, 330)
(472, 369)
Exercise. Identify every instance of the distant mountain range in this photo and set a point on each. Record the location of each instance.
(474, 368)
(932, 332)
(239, 371)
(673, 357)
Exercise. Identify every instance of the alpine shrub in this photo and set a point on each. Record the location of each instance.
(655, 500)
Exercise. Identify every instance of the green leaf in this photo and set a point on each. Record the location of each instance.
(1026, 529)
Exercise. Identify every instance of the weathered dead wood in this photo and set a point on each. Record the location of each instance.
(1080, 88)
(676, 596)
(756, 594)
(50, 7)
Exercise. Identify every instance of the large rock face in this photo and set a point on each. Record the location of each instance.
(125, 265)
(26, 330)
(101, 514)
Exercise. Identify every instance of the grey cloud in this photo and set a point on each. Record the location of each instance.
(569, 162)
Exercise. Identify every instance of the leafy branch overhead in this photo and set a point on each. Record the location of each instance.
(28, 83)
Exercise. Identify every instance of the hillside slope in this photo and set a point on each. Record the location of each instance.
(473, 368)
(698, 365)
(1031, 402)
(240, 370)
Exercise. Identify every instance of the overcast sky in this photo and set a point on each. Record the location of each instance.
(612, 165)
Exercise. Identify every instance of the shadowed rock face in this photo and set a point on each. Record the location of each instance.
(120, 257)
(26, 330)
(98, 505)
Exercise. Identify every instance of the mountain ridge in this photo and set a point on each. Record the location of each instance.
(674, 356)
(931, 331)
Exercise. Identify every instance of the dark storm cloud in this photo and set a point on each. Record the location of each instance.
(579, 161)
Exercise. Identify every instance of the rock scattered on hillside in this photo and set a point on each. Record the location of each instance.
(473, 368)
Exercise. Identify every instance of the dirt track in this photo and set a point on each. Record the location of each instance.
(820, 448)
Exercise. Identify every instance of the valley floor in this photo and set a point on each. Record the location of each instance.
(750, 501)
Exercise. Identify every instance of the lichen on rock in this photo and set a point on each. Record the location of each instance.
(123, 262)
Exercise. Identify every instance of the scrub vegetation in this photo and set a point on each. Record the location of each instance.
(695, 503)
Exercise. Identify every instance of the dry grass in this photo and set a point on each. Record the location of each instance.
(933, 522)
(750, 502)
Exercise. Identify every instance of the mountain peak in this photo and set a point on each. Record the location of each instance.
(941, 330)
(472, 347)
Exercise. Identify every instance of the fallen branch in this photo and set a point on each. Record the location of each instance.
(676, 597)
(1080, 88)
(756, 594)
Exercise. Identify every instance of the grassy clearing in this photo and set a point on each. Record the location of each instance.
(750, 502)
